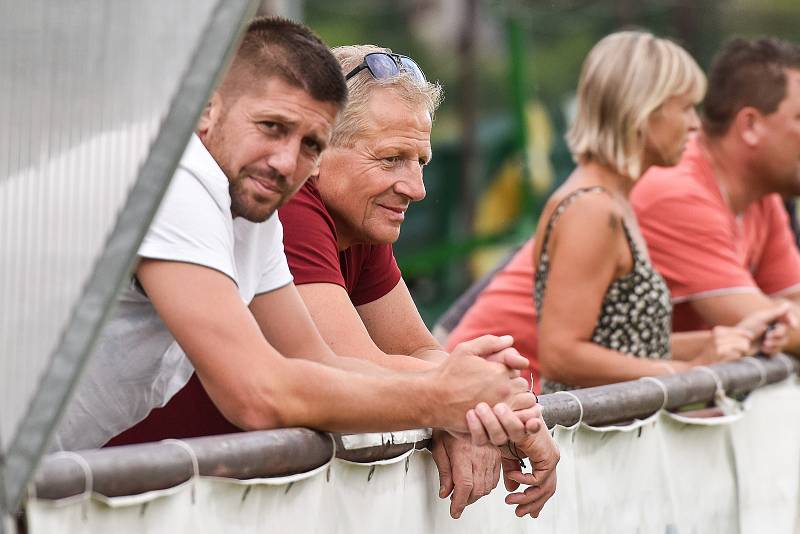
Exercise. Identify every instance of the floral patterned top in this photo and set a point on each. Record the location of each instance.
(636, 313)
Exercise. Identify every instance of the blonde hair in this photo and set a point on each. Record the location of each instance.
(352, 120)
(625, 77)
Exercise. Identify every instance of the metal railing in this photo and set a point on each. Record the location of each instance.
(134, 469)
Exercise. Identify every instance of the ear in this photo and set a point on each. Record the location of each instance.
(324, 162)
(210, 115)
(749, 125)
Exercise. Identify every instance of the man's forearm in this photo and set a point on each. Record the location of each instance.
(306, 393)
(432, 354)
(292, 392)
(688, 345)
(389, 364)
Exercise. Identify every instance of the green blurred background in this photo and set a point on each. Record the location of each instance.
(509, 71)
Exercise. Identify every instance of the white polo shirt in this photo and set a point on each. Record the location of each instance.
(137, 364)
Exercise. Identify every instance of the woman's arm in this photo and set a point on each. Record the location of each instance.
(588, 250)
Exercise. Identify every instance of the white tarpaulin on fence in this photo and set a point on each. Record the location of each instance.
(667, 474)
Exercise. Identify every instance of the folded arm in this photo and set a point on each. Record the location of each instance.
(255, 387)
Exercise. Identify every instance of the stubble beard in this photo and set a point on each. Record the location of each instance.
(244, 202)
(250, 206)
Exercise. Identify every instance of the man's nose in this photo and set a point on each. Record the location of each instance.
(412, 184)
(283, 159)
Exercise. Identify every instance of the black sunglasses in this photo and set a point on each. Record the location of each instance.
(383, 65)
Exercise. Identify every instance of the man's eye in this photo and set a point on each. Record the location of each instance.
(392, 159)
(269, 125)
(313, 145)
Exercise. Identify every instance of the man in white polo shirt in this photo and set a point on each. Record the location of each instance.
(213, 293)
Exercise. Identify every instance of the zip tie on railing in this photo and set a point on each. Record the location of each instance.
(720, 397)
(660, 384)
(714, 375)
(580, 404)
(762, 371)
(195, 464)
(88, 479)
(787, 362)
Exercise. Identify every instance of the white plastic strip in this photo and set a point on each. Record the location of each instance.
(363, 441)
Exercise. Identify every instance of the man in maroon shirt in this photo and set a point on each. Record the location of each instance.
(338, 235)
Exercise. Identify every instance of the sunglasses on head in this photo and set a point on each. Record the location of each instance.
(383, 65)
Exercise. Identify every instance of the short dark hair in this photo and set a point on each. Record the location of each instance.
(747, 73)
(274, 46)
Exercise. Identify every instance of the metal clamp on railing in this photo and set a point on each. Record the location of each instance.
(365, 448)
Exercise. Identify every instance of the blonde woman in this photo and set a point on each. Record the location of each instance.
(604, 312)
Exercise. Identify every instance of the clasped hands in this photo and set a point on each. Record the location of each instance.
(500, 435)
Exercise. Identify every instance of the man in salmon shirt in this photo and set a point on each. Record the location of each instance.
(715, 224)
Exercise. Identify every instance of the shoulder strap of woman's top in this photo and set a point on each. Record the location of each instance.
(561, 207)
